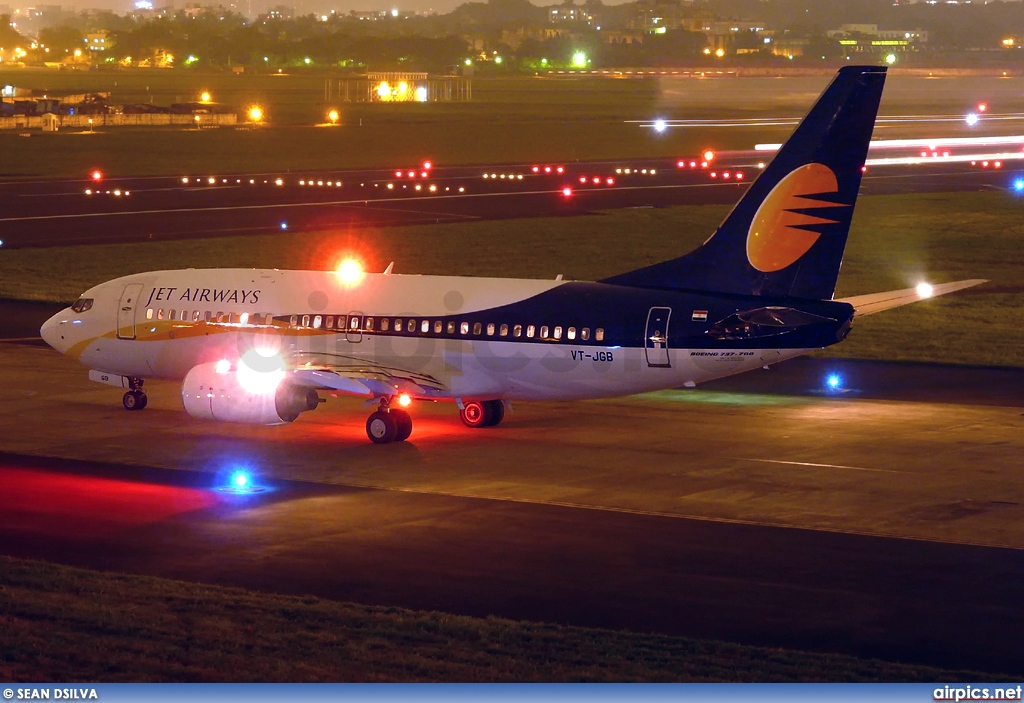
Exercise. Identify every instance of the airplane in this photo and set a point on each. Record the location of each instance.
(258, 346)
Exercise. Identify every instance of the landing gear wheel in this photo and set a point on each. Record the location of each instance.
(381, 427)
(475, 414)
(134, 400)
(495, 412)
(403, 421)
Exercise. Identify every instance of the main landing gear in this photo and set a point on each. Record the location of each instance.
(135, 399)
(388, 424)
(482, 413)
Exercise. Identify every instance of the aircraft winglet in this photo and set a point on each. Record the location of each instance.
(877, 302)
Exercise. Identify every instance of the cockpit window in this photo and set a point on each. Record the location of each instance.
(82, 304)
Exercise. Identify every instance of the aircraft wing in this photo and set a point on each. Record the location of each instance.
(877, 302)
(357, 377)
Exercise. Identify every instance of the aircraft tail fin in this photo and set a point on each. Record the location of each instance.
(786, 236)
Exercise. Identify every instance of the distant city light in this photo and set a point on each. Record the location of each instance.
(204, 97)
(890, 59)
(719, 52)
(468, 62)
(421, 94)
(255, 113)
(394, 12)
(306, 61)
(333, 116)
(497, 59)
(579, 59)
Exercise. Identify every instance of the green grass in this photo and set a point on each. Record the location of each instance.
(896, 241)
(66, 624)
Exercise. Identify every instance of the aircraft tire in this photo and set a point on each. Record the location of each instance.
(475, 414)
(381, 428)
(134, 400)
(495, 412)
(403, 422)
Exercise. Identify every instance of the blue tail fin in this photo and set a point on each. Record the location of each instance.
(787, 234)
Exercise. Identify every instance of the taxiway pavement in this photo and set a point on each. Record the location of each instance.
(880, 525)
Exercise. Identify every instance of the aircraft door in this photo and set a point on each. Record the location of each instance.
(656, 339)
(126, 311)
(354, 327)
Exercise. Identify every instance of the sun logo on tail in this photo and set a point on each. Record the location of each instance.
(790, 220)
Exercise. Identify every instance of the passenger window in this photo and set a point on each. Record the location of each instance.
(438, 326)
(503, 331)
(221, 317)
(317, 321)
(172, 314)
(585, 333)
(558, 332)
(244, 318)
(368, 324)
(233, 318)
(293, 320)
(208, 316)
(398, 325)
(353, 323)
(490, 329)
(384, 324)
(411, 326)
(329, 322)
(149, 314)
(477, 328)
(517, 331)
(543, 331)
(257, 319)
(160, 314)
(451, 328)
(531, 331)
(464, 328)
(305, 320)
(599, 334)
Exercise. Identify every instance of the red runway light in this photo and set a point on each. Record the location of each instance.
(739, 175)
(547, 169)
(610, 181)
(412, 174)
(714, 175)
(680, 164)
(726, 175)
(982, 107)
(583, 179)
(96, 175)
(536, 169)
(567, 192)
(398, 174)
(427, 165)
(560, 169)
(597, 179)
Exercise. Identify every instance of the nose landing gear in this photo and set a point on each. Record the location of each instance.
(388, 424)
(135, 399)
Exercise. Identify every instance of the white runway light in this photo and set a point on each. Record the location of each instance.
(924, 290)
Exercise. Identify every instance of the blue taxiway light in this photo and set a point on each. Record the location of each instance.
(833, 381)
(1018, 185)
(241, 483)
(240, 479)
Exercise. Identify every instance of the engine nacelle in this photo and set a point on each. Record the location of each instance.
(232, 393)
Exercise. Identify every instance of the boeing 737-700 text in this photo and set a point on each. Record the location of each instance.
(257, 346)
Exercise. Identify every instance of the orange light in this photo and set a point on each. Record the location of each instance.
(709, 155)
(96, 175)
(404, 400)
(982, 107)
(350, 271)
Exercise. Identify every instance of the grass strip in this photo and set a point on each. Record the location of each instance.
(66, 624)
(896, 241)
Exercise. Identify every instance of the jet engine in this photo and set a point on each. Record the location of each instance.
(235, 393)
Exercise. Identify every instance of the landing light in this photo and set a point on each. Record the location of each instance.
(404, 400)
(924, 290)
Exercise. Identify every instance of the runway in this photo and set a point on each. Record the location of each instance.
(884, 520)
(43, 213)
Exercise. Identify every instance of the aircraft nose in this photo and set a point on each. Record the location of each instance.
(52, 331)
